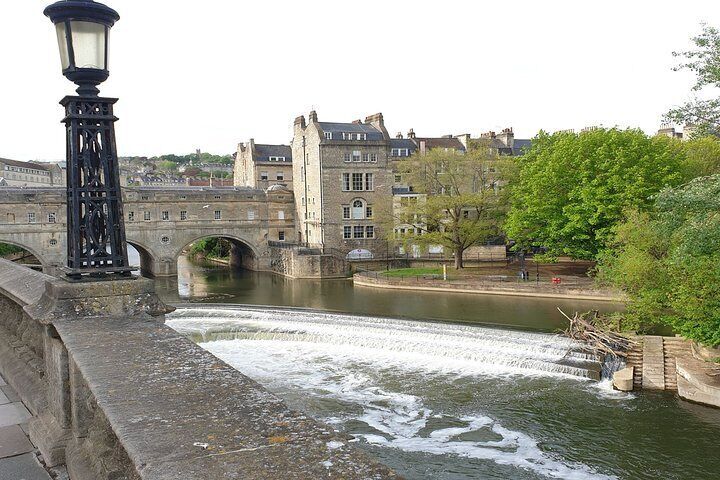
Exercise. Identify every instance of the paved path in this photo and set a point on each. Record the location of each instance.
(18, 456)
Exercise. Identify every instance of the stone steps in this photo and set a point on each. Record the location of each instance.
(635, 359)
(672, 349)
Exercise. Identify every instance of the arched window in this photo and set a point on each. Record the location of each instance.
(358, 210)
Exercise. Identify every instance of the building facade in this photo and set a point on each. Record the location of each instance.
(260, 165)
(15, 173)
(342, 175)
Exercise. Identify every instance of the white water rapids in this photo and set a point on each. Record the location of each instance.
(358, 373)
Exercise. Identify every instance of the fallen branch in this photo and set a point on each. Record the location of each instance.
(586, 328)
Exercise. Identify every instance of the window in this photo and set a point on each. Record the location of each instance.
(358, 231)
(366, 157)
(218, 215)
(251, 214)
(356, 155)
(31, 217)
(53, 242)
(346, 181)
(165, 240)
(145, 197)
(263, 175)
(165, 215)
(347, 232)
(357, 181)
(328, 135)
(466, 214)
(183, 214)
(281, 215)
(52, 217)
(183, 197)
(400, 152)
(368, 212)
(146, 216)
(302, 200)
(346, 212)
(280, 176)
(357, 210)
(370, 231)
(281, 235)
(369, 182)
(373, 157)
(346, 157)
(276, 159)
(398, 178)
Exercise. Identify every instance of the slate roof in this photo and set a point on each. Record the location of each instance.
(403, 143)
(263, 152)
(372, 132)
(17, 163)
(521, 145)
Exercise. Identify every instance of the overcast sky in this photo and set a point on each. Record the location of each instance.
(209, 74)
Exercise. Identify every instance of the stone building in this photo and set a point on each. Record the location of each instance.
(259, 165)
(342, 173)
(30, 174)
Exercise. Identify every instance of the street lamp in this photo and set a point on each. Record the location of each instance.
(95, 224)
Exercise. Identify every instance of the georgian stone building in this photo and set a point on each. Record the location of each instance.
(30, 174)
(259, 166)
(342, 173)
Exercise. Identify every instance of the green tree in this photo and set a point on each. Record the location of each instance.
(668, 261)
(702, 157)
(167, 166)
(462, 202)
(572, 189)
(704, 61)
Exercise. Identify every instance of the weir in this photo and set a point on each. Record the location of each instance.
(116, 394)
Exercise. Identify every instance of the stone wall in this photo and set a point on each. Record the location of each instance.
(116, 394)
(292, 262)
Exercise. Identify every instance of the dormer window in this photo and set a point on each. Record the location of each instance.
(277, 159)
(328, 135)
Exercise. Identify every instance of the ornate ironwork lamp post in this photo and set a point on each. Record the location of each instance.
(95, 224)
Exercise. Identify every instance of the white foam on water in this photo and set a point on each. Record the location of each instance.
(393, 419)
(429, 345)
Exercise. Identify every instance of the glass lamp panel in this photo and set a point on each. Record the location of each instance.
(63, 44)
(88, 44)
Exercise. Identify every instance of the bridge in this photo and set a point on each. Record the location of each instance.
(160, 223)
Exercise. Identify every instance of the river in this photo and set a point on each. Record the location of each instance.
(439, 386)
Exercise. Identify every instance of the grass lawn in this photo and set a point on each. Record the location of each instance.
(411, 272)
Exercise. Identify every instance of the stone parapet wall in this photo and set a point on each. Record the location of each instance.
(122, 396)
(290, 262)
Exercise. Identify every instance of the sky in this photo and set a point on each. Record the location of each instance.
(209, 74)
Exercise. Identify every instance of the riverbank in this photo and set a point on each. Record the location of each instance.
(569, 290)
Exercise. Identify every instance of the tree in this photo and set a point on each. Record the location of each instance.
(462, 202)
(573, 189)
(668, 261)
(167, 166)
(704, 61)
(702, 157)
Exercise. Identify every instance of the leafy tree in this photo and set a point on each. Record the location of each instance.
(704, 61)
(462, 202)
(702, 157)
(213, 247)
(668, 261)
(7, 249)
(167, 166)
(572, 189)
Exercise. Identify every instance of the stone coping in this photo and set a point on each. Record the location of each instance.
(695, 384)
(179, 412)
(20, 283)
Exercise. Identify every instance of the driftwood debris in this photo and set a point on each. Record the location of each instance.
(586, 329)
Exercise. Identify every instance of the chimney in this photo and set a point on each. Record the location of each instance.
(376, 120)
(489, 134)
(399, 136)
(300, 121)
(312, 118)
(507, 137)
(411, 133)
(464, 139)
(357, 122)
(423, 149)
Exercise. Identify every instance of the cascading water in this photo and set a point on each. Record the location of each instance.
(395, 384)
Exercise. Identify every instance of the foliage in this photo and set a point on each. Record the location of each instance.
(702, 157)
(211, 247)
(167, 165)
(462, 202)
(572, 189)
(7, 249)
(704, 61)
(668, 261)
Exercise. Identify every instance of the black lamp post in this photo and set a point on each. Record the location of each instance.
(95, 224)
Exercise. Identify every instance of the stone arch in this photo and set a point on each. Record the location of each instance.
(148, 258)
(243, 253)
(31, 250)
